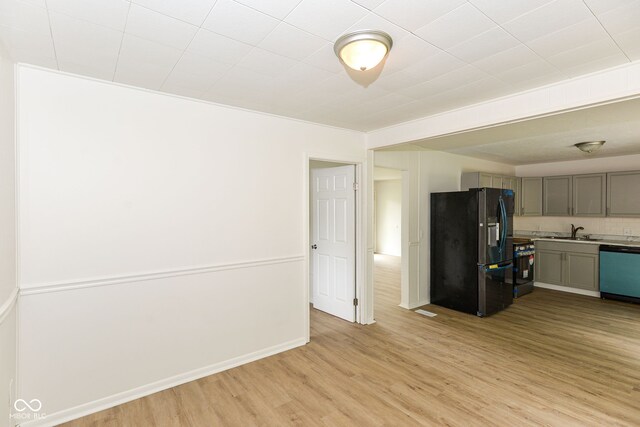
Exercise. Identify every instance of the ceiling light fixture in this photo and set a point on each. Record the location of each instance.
(364, 49)
(589, 146)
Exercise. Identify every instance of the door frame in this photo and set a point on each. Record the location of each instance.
(362, 314)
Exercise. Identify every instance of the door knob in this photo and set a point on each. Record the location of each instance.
(314, 246)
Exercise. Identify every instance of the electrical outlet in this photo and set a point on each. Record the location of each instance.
(626, 231)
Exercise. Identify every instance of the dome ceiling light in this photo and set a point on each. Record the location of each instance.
(363, 50)
(589, 146)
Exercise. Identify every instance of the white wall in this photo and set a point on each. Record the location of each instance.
(427, 171)
(161, 238)
(595, 164)
(7, 237)
(388, 217)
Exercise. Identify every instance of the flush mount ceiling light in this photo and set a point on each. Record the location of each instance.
(590, 146)
(363, 50)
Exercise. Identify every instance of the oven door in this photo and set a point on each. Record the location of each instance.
(523, 269)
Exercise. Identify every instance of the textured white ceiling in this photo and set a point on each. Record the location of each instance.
(277, 55)
(547, 139)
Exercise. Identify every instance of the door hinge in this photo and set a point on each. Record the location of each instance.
(356, 186)
(355, 302)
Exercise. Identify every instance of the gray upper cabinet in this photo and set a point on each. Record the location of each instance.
(558, 195)
(480, 179)
(531, 197)
(615, 194)
(485, 180)
(511, 183)
(518, 198)
(623, 194)
(589, 194)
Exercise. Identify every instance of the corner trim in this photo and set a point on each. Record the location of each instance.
(154, 387)
(45, 288)
(8, 305)
(418, 304)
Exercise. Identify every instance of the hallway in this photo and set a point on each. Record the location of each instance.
(386, 286)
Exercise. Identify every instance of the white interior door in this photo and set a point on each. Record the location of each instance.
(333, 241)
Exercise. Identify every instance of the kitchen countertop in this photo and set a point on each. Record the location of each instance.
(634, 243)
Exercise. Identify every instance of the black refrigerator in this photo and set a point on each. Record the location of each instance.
(472, 250)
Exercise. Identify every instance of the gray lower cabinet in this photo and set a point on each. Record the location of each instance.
(623, 195)
(558, 195)
(589, 194)
(574, 265)
(582, 270)
(531, 196)
(549, 266)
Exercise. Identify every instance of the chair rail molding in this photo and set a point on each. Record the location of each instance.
(34, 289)
(8, 305)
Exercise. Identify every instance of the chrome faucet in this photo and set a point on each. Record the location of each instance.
(574, 230)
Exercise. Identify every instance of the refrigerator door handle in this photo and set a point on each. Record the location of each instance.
(496, 267)
(504, 227)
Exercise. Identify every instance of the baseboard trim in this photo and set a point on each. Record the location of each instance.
(414, 305)
(8, 305)
(138, 392)
(567, 289)
(116, 280)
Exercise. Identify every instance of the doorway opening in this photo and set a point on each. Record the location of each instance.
(388, 237)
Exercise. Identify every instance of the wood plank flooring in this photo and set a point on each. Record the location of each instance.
(551, 358)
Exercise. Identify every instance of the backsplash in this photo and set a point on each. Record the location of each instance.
(562, 224)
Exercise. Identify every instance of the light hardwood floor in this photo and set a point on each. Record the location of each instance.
(550, 359)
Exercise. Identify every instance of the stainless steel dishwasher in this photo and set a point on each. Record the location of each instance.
(620, 272)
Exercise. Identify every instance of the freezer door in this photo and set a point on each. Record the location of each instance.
(495, 290)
